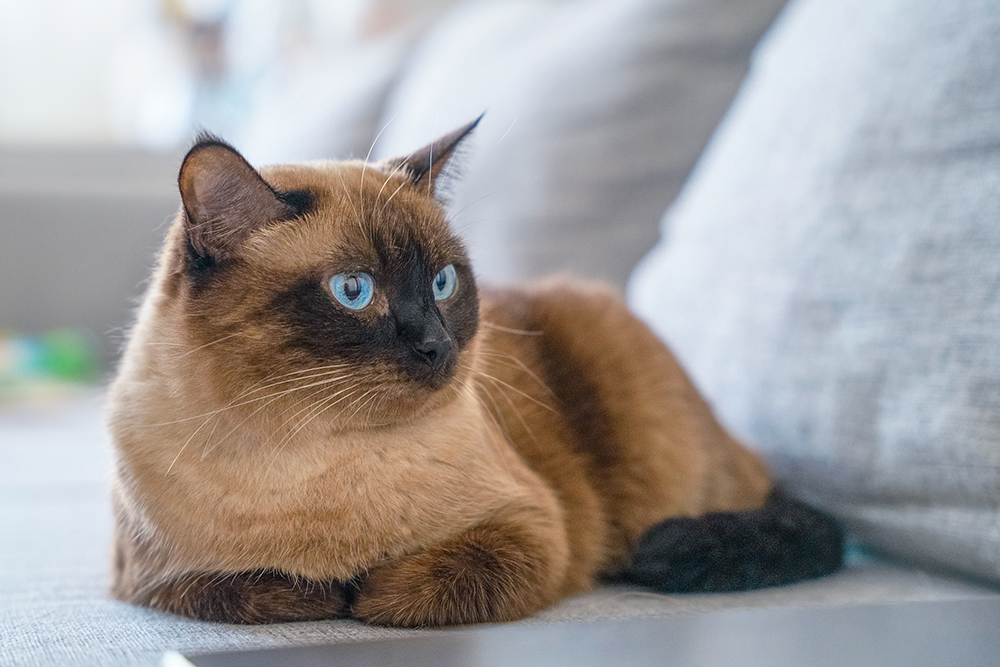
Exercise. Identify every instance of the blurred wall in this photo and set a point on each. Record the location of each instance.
(79, 229)
(54, 58)
(149, 72)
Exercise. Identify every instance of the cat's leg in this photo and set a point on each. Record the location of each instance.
(262, 596)
(501, 570)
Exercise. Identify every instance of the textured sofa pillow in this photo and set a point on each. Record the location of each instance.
(596, 110)
(831, 274)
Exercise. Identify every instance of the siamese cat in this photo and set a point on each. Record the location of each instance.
(320, 414)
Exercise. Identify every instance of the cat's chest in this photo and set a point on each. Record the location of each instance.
(331, 504)
(387, 478)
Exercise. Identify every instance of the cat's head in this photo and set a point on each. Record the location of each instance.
(334, 287)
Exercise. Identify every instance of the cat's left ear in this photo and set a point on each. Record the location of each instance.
(225, 199)
(425, 165)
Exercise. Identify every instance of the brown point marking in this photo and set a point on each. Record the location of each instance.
(250, 598)
(494, 572)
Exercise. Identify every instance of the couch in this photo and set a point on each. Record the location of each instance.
(828, 274)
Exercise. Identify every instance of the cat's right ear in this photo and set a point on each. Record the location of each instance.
(225, 198)
(424, 165)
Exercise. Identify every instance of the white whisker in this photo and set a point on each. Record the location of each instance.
(517, 391)
(430, 154)
(519, 332)
(388, 178)
(391, 196)
(322, 387)
(508, 358)
(305, 422)
(233, 404)
(311, 407)
(504, 135)
(520, 417)
(357, 213)
(454, 216)
(364, 166)
(270, 398)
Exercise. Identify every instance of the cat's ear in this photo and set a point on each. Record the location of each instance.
(225, 198)
(425, 165)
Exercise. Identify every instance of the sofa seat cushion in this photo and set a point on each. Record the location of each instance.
(55, 515)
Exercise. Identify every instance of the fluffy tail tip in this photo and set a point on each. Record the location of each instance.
(782, 542)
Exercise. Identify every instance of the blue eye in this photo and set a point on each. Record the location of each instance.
(354, 290)
(444, 283)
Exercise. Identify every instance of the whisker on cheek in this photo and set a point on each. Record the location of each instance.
(311, 407)
(323, 387)
(315, 410)
(235, 402)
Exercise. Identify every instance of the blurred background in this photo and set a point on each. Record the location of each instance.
(143, 73)
(828, 275)
(596, 112)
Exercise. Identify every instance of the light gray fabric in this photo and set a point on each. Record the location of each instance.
(831, 276)
(595, 112)
(55, 521)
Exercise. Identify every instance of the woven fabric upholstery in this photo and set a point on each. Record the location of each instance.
(55, 519)
(831, 276)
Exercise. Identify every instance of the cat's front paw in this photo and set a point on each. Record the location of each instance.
(261, 596)
(493, 572)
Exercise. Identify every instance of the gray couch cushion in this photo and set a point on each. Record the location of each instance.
(596, 111)
(831, 276)
(55, 519)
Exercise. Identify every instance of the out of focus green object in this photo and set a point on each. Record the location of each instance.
(45, 364)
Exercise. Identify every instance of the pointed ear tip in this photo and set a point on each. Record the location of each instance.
(474, 124)
(207, 137)
(207, 146)
(205, 140)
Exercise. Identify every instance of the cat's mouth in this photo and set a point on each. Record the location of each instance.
(432, 369)
(419, 390)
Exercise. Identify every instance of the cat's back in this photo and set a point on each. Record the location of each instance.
(590, 397)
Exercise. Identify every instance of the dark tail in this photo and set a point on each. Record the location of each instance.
(782, 542)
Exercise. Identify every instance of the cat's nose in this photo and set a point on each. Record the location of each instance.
(433, 351)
